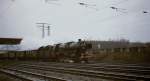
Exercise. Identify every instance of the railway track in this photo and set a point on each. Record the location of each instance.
(137, 66)
(91, 73)
(29, 76)
(101, 71)
(127, 68)
(121, 69)
(4, 71)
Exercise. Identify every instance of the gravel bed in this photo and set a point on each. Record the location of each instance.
(68, 77)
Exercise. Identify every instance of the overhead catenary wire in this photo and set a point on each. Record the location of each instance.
(119, 14)
(115, 4)
(145, 12)
(112, 17)
(92, 6)
(118, 9)
(103, 8)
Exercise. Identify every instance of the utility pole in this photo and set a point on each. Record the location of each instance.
(43, 26)
(48, 29)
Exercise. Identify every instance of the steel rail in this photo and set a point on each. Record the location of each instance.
(98, 74)
(34, 74)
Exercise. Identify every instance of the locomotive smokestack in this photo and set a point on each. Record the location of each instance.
(79, 40)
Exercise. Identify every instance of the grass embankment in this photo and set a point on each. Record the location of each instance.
(123, 58)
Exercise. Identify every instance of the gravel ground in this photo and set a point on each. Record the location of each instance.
(4, 77)
(68, 77)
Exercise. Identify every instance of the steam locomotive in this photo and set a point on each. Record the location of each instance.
(70, 51)
(75, 51)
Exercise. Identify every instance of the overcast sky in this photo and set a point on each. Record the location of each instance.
(70, 20)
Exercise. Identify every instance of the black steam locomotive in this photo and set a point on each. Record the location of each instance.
(73, 51)
(62, 52)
